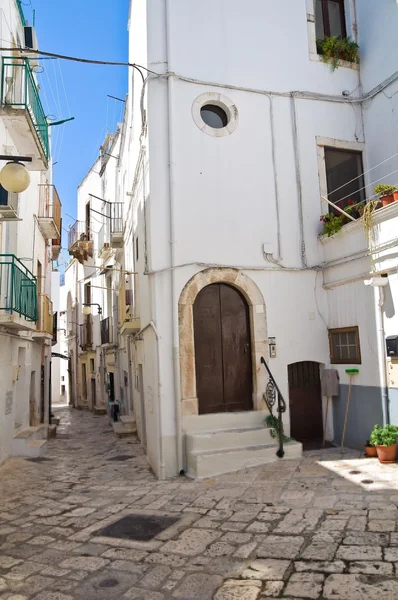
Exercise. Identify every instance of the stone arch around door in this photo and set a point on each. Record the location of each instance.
(258, 333)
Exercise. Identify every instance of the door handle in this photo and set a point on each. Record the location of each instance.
(246, 348)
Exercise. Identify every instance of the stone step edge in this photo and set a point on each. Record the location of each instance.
(229, 430)
(238, 449)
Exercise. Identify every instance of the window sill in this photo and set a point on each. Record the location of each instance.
(345, 64)
(381, 214)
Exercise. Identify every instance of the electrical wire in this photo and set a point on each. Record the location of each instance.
(89, 60)
(370, 184)
(362, 174)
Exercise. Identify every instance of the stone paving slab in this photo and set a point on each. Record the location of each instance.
(306, 528)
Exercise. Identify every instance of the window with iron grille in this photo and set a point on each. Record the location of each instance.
(344, 346)
(344, 175)
(330, 19)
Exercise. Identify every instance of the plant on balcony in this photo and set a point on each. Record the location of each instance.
(385, 192)
(332, 223)
(333, 49)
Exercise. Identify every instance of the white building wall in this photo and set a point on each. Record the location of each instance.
(21, 357)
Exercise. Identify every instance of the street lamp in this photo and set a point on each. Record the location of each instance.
(87, 308)
(14, 176)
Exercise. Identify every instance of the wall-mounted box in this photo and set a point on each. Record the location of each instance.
(392, 346)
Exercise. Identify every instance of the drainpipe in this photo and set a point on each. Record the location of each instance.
(381, 352)
(176, 357)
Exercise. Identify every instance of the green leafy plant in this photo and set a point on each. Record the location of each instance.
(272, 423)
(368, 443)
(331, 223)
(384, 436)
(333, 49)
(384, 189)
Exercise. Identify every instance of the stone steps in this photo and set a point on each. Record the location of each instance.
(228, 442)
(228, 438)
(31, 441)
(125, 426)
(210, 463)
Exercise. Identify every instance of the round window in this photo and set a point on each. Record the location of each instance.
(214, 116)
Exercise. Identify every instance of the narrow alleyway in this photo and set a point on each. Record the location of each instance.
(319, 527)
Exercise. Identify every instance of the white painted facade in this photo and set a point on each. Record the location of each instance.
(242, 205)
(252, 198)
(25, 342)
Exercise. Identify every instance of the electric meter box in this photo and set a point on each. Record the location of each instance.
(392, 346)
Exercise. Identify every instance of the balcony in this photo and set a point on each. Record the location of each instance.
(44, 325)
(80, 243)
(116, 216)
(23, 113)
(55, 249)
(129, 324)
(18, 294)
(104, 247)
(107, 331)
(86, 334)
(49, 216)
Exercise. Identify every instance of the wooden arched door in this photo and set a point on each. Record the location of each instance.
(224, 379)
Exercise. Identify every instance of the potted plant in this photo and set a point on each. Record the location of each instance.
(333, 49)
(385, 439)
(370, 450)
(331, 223)
(385, 192)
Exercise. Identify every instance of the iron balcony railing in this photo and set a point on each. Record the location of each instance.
(19, 90)
(20, 10)
(274, 396)
(86, 334)
(50, 205)
(79, 232)
(18, 288)
(116, 215)
(107, 331)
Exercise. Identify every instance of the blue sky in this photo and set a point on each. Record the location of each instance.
(91, 29)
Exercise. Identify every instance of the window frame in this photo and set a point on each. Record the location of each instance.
(360, 178)
(326, 18)
(326, 142)
(338, 330)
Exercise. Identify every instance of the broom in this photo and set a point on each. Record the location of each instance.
(351, 373)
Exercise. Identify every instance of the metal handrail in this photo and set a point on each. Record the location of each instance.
(272, 396)
(19, 89)
(20, 10)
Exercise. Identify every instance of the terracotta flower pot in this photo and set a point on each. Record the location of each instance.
(371, 451)
(387, 454)
(395, 194)
(388, 199)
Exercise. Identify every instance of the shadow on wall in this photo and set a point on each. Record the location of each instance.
(389, 308)
(365, 411)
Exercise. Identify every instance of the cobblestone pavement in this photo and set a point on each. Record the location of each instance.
(324, 526)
